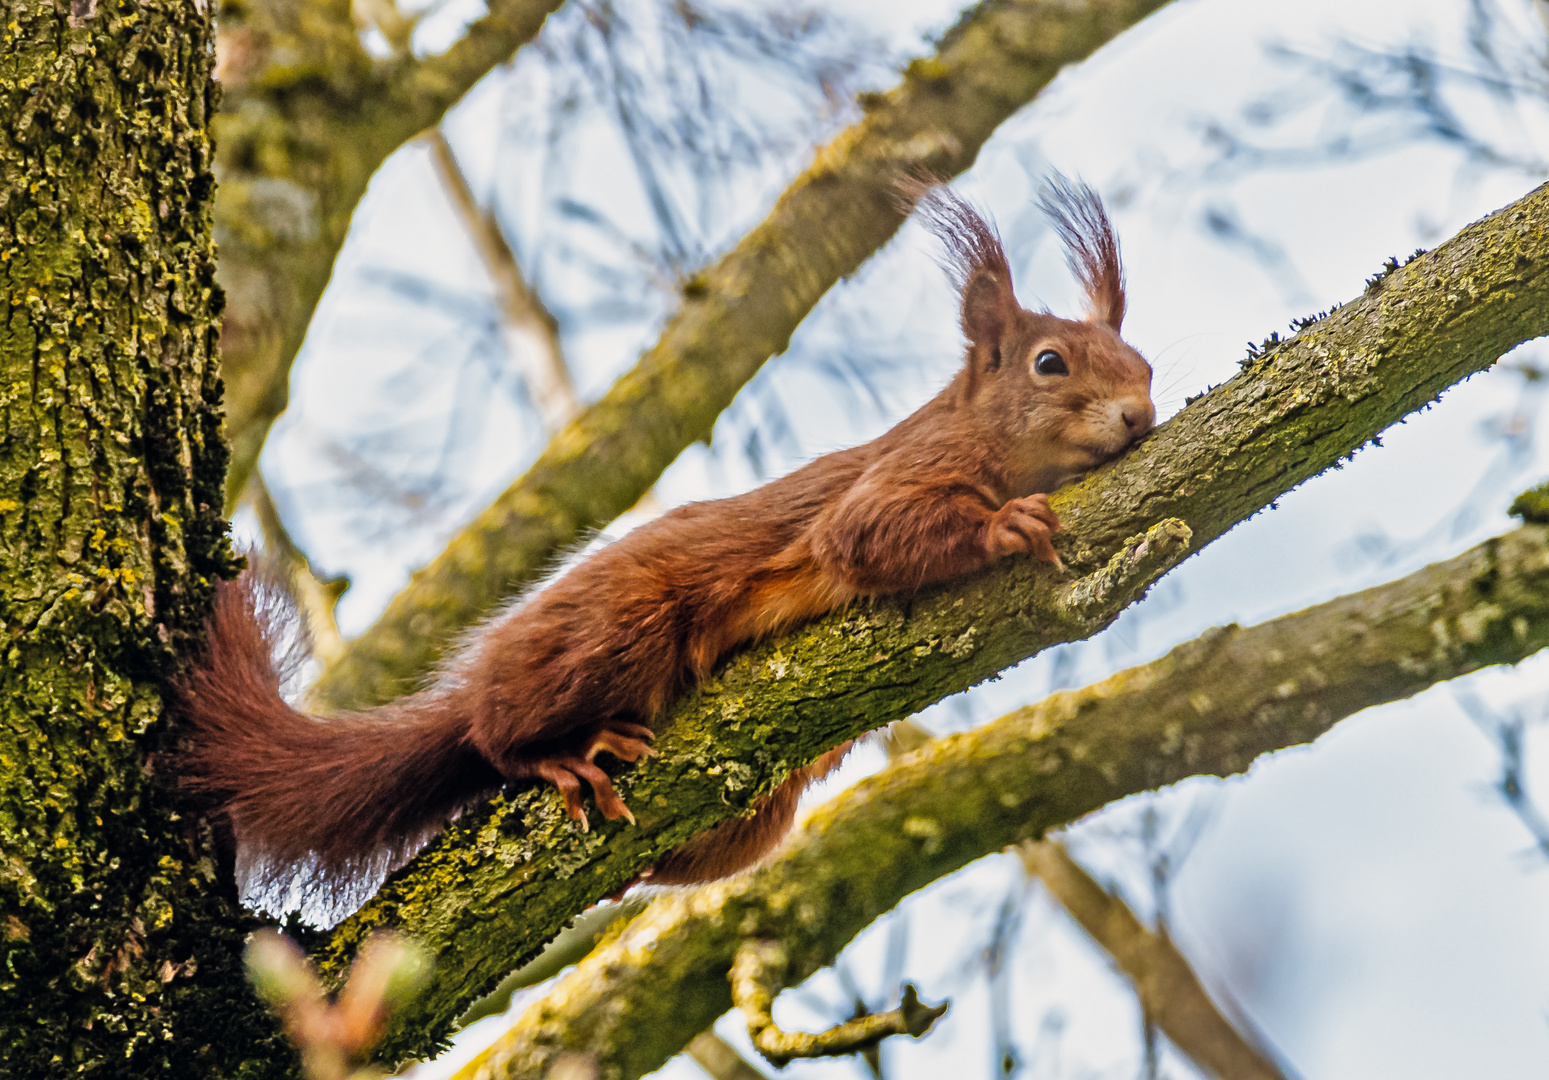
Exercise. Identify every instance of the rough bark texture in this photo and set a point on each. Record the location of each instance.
(121, 945)
(307, 119)
(735, 316)
(1209, 707)
(503, 880)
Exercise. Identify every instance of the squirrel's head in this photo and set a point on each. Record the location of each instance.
(1074, 389)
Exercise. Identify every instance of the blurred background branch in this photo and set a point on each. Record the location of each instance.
(308, 116)
(719, 1058)
(1171, 995)
(537, 345)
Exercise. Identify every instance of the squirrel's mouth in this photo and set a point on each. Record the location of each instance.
(1107, 443)
(1107, 450)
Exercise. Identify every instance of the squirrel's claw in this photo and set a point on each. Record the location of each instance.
(558, 773)
(1025, 525)
(566, 774)
(625, 741)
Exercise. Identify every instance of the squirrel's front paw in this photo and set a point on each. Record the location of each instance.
(1022, 525)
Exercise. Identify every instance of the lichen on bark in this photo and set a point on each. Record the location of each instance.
(120, 938)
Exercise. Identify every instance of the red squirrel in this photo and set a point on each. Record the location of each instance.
(588, 663)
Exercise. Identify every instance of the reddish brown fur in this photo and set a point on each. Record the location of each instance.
(1091, 247)
(304, 792)
(589, 663)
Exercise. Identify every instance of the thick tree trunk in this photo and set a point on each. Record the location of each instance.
(121, 939)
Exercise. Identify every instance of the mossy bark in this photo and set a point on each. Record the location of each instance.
(1209, 707)
(735, 315)
(502, 881)
(121, 944)
(308, 117)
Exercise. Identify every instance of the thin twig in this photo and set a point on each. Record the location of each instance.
(756, 977)
(531, 330)
(1171, 995)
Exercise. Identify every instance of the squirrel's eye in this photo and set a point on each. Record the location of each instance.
(1050, 362)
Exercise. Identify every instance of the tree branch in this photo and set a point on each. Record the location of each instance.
(719, 1058)
(503, 879)
(757, 977)
(735, 315)
(522, 313)
(1209, 707)
(307, 118)
(437, 82)
(1171, 995)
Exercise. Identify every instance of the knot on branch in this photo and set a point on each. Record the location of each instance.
(1139, 561)
(1532, 506)
(756, 978)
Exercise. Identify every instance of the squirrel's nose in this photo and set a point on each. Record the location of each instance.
(1139, 416)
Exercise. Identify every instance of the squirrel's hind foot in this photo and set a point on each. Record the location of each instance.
(624, 740)
(566, 773)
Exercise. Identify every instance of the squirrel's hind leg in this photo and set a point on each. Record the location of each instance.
(567, 769)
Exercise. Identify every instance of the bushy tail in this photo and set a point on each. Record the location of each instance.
(330, 799)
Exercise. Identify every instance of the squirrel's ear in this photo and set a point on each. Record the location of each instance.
(989, 307)
(1091, 248)
(977, 262)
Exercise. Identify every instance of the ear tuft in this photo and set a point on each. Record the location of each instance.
(977, 262)
(1091, 248)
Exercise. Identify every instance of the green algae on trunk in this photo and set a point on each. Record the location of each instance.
(121, 941)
